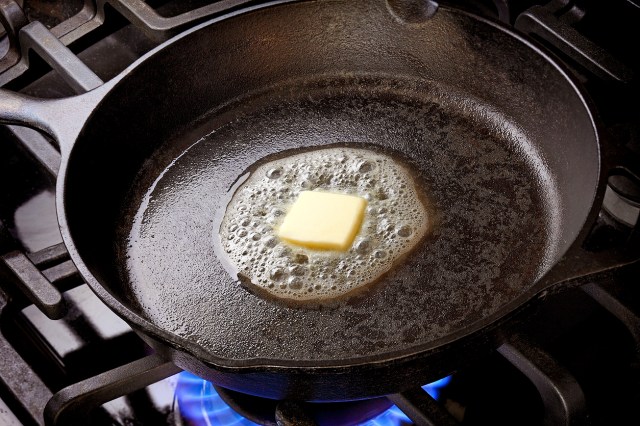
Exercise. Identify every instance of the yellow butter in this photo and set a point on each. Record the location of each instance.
(323, 220)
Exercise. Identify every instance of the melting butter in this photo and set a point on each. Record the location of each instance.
(395, 221)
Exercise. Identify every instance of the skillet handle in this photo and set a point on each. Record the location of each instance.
(580, 266)
(62, 119)
(585, 261)
(23, 110)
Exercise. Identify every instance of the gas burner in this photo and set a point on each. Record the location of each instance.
(201, 403)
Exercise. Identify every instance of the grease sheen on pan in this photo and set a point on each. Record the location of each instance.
(395, 221)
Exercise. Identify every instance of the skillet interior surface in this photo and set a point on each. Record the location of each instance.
(487, 124)
(490, 195)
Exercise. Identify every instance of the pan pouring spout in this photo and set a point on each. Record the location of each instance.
(413, 11)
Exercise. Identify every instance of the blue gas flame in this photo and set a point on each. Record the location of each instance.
(200, 404)
(394, 417)
(434, 389)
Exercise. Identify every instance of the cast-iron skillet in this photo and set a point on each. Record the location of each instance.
(500, 136)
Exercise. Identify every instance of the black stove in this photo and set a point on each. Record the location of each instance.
(65, 358)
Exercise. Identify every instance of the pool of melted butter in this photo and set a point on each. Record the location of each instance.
(395, 221)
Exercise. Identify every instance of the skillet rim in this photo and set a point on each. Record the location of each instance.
(250, 365)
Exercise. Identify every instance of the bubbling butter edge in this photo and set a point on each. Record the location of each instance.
(396, 220)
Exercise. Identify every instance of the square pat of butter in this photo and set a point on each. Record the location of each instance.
(323, 220)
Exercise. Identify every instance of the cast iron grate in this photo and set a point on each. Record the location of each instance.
(41, 383)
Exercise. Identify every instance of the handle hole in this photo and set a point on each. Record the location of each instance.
(620, 212)
(620, 209)
(622, 197)
(626, 184)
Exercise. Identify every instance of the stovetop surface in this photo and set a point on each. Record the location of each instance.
(580, 347)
